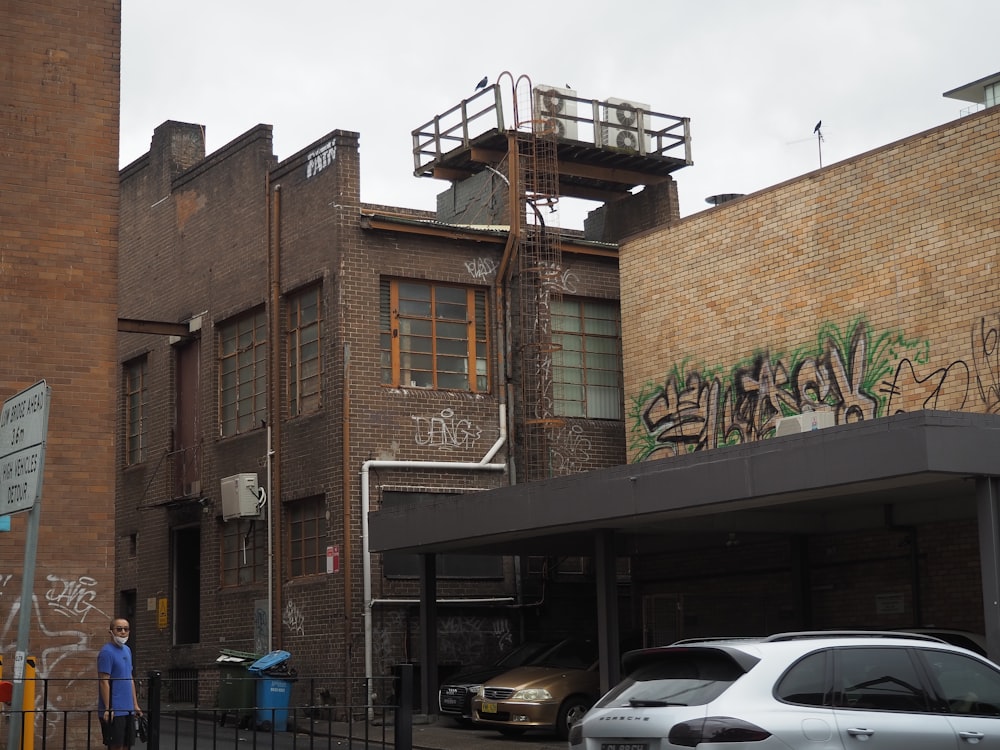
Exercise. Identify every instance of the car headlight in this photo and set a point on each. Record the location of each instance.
(479, 692)
(532, 694)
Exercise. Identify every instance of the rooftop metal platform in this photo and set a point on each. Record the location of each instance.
(605, 148)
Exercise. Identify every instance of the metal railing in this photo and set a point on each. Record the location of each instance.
(237, 713)
(593, 122)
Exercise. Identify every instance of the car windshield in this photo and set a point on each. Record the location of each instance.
(526, 653)
(569, 655)
(682, 678)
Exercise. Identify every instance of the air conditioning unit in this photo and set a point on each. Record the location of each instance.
(622, 127)
(554, 110)
(240, 497)
(805, 422)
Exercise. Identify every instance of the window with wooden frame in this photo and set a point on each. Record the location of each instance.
(243, 373)
(303, 350)
(135, 411)
(307, 538)
(244, 552)
(587, 363)
(434, 336)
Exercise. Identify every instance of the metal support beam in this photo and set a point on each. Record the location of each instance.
(428, 634)
(160, 328)
(607, 609)
(988, 509)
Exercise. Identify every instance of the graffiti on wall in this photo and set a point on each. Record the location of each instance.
(855, 374)
(293, 618)
(67, 603)
(986, 363)
(73, 598)
(569, 451)
(481, 268)
(557, 279)
(462, 639)
(445, 430)
(320, 158)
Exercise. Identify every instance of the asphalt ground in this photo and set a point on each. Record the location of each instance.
(439, 733)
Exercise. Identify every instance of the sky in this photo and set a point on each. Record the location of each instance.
(754, 76)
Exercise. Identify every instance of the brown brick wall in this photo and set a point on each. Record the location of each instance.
(866, 288)
(863, 289)
(746, 584)
(59, 236)
(201, 222)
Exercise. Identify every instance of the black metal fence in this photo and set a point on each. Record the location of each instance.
(248, 712)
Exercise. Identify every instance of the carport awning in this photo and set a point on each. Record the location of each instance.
(911, 467)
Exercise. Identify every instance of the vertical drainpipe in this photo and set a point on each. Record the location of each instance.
(274, 501)
(502, 322)
(346, 480)
(509, 250)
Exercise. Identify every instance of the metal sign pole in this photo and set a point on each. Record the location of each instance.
(24, 624)
(24, 425)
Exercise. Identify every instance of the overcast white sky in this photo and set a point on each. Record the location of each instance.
(754, 76)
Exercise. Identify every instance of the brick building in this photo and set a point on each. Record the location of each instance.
(58, 236)
(885, 260)
(862, 290)
(861, 296)
(280, 335)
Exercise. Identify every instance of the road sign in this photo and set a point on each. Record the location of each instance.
(24, 422)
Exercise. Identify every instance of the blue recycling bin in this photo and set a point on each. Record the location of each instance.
(273, 696)
(274, 691)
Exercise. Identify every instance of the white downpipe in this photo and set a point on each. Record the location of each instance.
(482, 465)
(477, 600)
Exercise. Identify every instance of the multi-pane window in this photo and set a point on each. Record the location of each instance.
(243, 373)
(244, 552)
(135, 411)
(307, 536)
(303, 351)
(992, 94)
(587, 363)
(434, 336)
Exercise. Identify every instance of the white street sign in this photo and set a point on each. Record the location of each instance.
(23, 426)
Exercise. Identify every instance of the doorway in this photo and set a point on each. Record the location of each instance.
(186, 554)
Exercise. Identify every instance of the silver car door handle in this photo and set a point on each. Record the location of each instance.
(859, 732)
(975, 736)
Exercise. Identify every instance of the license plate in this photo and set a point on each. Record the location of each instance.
(488, 708)
(624, 746)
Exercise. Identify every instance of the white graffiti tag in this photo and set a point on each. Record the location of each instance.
(570, 451)
(75, 600)
(293, 618)
(481, 268)
(445, 431)
(320, 158)
(558, 279)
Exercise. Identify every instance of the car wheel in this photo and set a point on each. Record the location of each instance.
(571, 711)
(511, 731)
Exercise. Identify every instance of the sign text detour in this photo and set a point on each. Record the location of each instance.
(23, 423)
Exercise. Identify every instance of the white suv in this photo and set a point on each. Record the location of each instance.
(817, 690)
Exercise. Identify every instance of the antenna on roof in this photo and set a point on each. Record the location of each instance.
(819, 141)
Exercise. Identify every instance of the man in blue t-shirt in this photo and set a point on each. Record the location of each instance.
(116, 698)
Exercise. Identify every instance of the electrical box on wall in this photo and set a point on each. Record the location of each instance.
(805, 422)
(240, 497)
